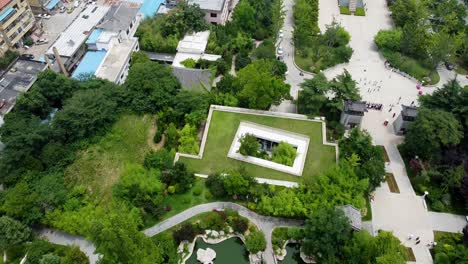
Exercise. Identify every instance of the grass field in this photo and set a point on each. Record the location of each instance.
(98, 167)
(392, 184)
(223, 129)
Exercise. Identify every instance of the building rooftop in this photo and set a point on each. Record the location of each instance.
(353, 214)
(18, 79)
(193, 79)
(409, 111)
(118, 18)
(3, 3)
(355, 106)
(78, 31)
(194, 43)
(116, 58)
(92, 39)
(212, 5)
(89, 64)
(150, 7)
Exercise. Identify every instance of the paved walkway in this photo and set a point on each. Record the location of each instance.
(65, 239)
(264, 223)
(447, 222)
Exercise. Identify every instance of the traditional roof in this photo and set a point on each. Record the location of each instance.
(353, 214)
(409, 111)
(355, 106)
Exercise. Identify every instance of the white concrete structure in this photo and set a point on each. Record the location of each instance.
(193, 46)
(70, 44)
(116, 64)
(216, 11)
(300, 142)
(206, 256)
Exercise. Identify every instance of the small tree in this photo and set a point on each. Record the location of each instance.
(249, 145)
(185, 232)
(255, 242)
(284, 153)
(12, 233)
(240, 225)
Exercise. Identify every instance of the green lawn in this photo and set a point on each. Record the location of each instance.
(98, 167)
(223, 129)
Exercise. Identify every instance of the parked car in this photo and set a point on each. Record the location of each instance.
(70, 10)
(76, 4)
(44, 16)
(280, 51)
(62, 9)
(449, 66)
(27, 56)
(42, 41)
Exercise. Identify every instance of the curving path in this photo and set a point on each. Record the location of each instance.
(264, 223)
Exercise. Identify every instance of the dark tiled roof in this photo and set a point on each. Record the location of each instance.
(193, 79)
(353, 214)
(355, 106)
(409, 111)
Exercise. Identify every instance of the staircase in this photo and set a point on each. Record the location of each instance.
(352, 6)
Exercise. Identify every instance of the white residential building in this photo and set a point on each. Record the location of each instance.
(216, 11)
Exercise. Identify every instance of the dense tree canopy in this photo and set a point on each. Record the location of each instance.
(372, 163)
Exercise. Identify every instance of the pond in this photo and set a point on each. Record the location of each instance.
(230, 251)
(293, 255)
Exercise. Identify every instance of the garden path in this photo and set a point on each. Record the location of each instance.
(265, 223)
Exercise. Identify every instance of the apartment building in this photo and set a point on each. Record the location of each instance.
(216, 11)
(16, 19)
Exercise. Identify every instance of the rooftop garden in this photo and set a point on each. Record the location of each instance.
(223, 128)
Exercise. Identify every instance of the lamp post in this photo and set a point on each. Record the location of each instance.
(425, 194)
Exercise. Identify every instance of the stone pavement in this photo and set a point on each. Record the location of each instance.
(65, 239)
(447, 222)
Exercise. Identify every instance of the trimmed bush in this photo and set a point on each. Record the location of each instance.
(360, 11)
(189, 63)
(284, 154)
(344, 10)
(249, 145)
(197, 191)
(255, 242)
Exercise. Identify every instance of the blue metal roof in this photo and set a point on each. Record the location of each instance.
(150, 7)
(89, 64)
(92, 39)
(52, 4)
(6, 13)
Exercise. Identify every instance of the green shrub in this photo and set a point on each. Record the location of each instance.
(249, 145)
(410, 66)
(360, 11)
(197, 190)
(208, 195)
(284, 154)
(28, 41)
(255, 242)
(8, 58)
(189, 63)
(344, 10)
(157, 136)
(389, 39)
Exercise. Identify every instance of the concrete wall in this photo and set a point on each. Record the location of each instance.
(221, 17)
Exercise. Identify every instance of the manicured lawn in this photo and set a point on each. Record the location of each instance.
(409, 254)
(392, 184)
(411, 66)
(387, 159)
(360, 11)
(344, 10)
(223, 129)
(98, 167)
(368, 216)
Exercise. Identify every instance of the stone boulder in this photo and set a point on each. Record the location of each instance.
(206, 256)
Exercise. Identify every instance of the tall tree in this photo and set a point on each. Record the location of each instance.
(326, 232)
(312, 97)
(260, 88)
(432, 131)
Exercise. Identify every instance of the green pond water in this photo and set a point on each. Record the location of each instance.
(230, 251)
(293, 255)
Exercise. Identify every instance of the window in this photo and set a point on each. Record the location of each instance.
(213, 15)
